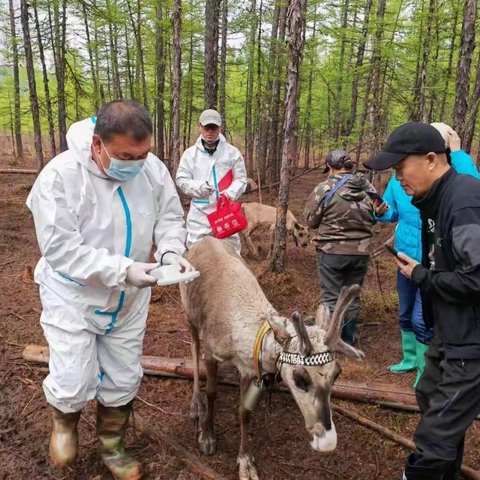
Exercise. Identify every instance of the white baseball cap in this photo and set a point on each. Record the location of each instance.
(209, 117)
(444, 130)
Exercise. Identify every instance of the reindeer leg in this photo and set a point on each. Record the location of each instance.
(250, 244)
(272, 241)
(197, 409)
(246, 465)
(207, 442)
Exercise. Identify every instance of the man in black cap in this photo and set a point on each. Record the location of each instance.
(343, 214)
(448, 392)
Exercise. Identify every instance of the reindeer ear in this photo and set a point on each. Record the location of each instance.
(306, 347)
(351, 352)
(279, 332)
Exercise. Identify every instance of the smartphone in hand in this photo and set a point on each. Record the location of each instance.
(393, 252)
(374, 196)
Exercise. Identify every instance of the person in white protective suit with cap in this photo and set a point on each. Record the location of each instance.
(97, 209)
(209, 169)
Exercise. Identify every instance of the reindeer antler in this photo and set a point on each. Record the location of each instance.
(306, 347)
(347, 295)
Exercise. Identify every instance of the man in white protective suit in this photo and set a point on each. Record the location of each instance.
(98, 207)
(209, 169)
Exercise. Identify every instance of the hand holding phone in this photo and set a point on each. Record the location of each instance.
(393, 252)
(374, 196)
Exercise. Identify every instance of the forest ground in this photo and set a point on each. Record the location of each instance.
(277, 430)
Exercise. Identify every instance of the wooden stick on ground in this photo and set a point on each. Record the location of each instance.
(468, 472)
(16, 170)
(162, 438)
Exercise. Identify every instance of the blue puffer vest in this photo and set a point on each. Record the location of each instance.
(408, 234)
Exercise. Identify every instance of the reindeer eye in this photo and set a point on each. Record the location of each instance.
(302, 380)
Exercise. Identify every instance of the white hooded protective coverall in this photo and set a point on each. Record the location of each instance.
(197, 167)
(90, 229)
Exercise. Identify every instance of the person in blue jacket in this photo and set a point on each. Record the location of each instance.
(397, 207)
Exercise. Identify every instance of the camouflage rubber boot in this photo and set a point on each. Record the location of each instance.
(111, 427)
(64, 440)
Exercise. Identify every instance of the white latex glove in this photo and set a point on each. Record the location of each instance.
(206, 189)
(137, 274)
(227, 194)
(183, 265)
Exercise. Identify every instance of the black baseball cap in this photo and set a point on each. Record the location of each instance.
(414, 137)
(338, 159)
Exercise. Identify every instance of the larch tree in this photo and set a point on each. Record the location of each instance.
(467, 46)
(177, 72)
(212, 13)
(297, 14)
(32, 86)
(16, 85)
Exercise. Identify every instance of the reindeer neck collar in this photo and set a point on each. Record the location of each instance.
(285, 357)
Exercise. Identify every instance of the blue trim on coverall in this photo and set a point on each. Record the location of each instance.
(128, 246)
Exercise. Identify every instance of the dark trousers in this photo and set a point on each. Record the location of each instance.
(411, 315)
(335, 272)
(448, 395)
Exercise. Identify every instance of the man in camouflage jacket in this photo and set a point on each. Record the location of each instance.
(344, 219)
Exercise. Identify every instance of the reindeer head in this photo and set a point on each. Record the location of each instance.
(301, 235)
(311, 373)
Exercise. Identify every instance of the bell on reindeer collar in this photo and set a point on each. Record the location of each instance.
(253, 395)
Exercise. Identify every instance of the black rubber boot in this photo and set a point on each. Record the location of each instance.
(413, 472)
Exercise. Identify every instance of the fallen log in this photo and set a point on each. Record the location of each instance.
(467, 471)
(392, 396)
(16, 170)
(195, 464)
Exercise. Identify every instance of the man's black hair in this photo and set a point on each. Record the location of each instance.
(122, 117)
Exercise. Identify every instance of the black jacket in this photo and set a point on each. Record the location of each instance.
(449, 277)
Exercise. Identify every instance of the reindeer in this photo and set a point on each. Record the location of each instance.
(258, 214)
(226, 309)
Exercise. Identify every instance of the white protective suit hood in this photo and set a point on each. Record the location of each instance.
(79, 140)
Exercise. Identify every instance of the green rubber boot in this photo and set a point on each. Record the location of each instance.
(421, 349)
(409, 348)
(111, 426)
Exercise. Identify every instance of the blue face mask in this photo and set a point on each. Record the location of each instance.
(210, 142)
(122, 170)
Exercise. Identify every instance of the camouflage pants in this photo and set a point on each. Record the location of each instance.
(335, 272)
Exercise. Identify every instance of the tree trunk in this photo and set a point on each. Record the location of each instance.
(90, 57)
(249, 100)
(212, 13)
(223, 65)
(60, 49)
(433, 93)
(117, 90)
(423, 113)
(338, 97)
(137, 31)
(16, 85)
(363, 121)
(189, 99)
(276, 91)
(160, 84)
(450, 65)
(377, 63)
(308, 111)
(258, 127)
(129, 65)
(358, 67)
(414, 110)
(32, 86)
(297, 14)
(467, 45)
(471, 119)
(177, 72)
(266, 119)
